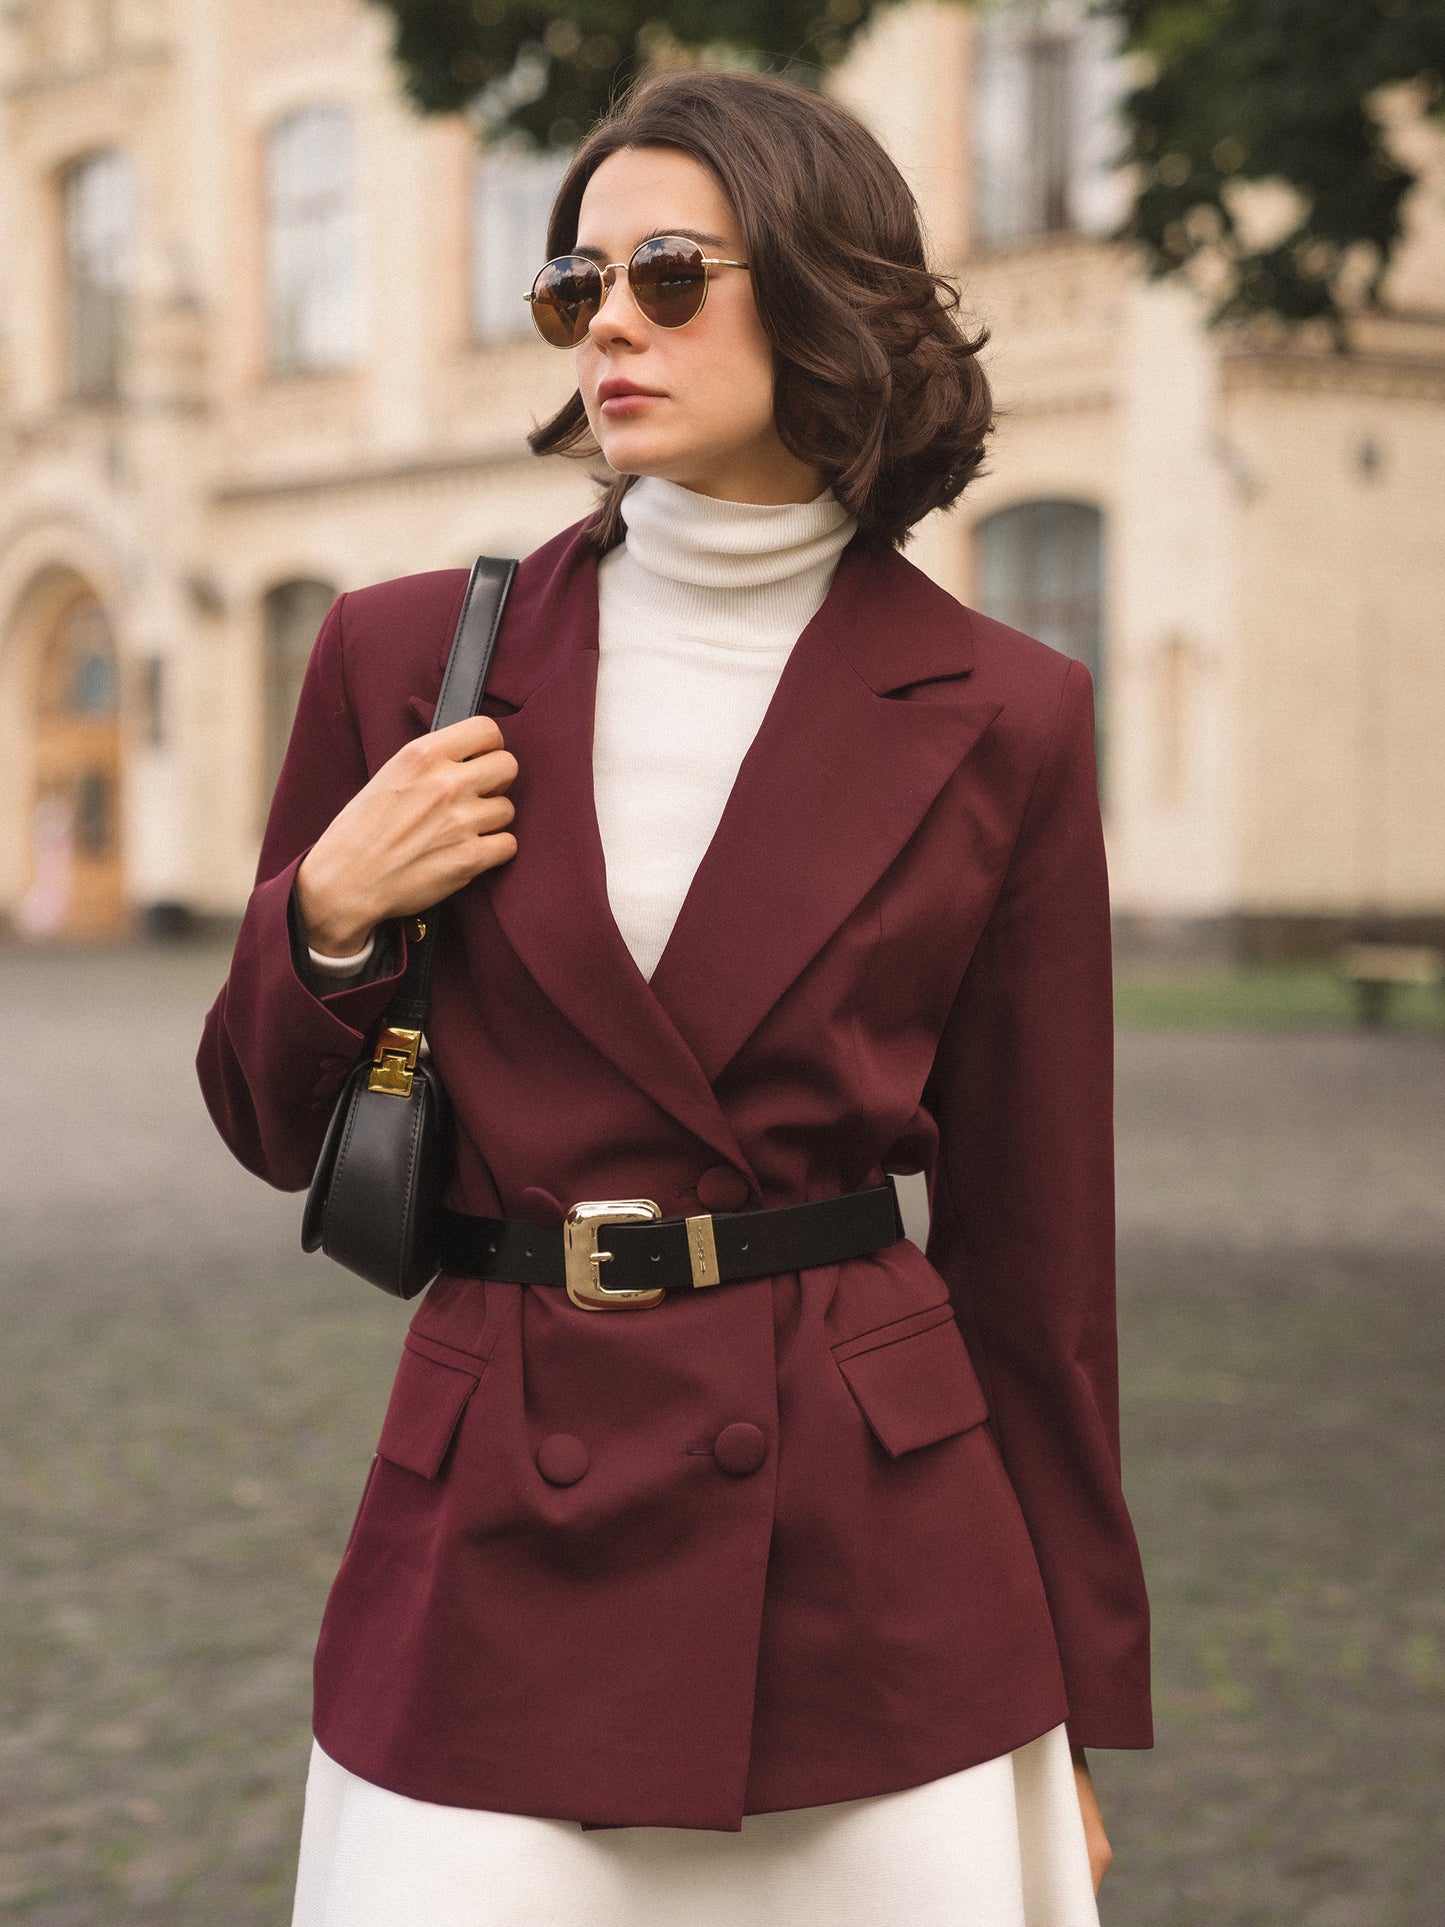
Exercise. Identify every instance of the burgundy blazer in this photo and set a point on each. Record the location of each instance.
(789, 1541)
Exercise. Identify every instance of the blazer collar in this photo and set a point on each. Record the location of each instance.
(888, 620)
(841, 770)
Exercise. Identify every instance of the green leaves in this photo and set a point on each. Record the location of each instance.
(1235, 93)
(1280, 92)
(547, 71)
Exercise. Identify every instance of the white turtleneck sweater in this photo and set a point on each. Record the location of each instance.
(699, 608)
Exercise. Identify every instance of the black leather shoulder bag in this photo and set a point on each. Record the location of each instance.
(387, 1154)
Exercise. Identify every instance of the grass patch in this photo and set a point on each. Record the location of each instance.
(1311, 996)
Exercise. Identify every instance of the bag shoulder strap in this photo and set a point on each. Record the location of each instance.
(464, 684)
(465, 681)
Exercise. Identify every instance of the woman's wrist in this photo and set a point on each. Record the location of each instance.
(333, 930)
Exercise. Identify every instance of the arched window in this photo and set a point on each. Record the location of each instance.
(311, 270)
(1039, 570)
(99, 196)
(294, 611)
(77, 669)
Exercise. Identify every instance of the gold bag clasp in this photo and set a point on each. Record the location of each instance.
(393, 1061)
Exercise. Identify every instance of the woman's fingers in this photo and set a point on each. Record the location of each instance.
(472, 736)
(494, 813)
(432, 818)
(490, 773)
(1101, 1854)
(472, 750)
(485, 851)
(496, 849)
(483, 838)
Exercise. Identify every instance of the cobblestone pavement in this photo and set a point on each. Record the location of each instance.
(189, 1406)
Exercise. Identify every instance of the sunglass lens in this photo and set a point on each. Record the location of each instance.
(565, 297)
(668, 280)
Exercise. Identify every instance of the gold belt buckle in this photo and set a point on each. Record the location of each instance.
(584, 1261)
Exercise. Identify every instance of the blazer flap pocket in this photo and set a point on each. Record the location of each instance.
(913, 1381)
(427, 1402)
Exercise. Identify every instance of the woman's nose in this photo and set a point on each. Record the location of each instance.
(619, 314)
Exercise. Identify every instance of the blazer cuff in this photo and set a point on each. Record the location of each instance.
(359, 1000)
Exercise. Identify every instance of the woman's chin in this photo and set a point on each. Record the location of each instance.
(641, 454)
(707, 470)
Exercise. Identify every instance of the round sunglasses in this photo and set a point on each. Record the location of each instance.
(667, 278)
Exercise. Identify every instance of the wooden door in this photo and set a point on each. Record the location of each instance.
(77, 881)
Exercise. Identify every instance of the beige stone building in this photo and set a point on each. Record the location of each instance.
(262, 338)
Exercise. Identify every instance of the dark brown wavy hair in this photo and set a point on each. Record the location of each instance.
(877, 386)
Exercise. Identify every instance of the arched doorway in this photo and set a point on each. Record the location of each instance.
(76, 884)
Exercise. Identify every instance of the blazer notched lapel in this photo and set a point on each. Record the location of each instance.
(835, 782)
(551, 899)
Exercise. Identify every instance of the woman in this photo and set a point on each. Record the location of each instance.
(775, 870)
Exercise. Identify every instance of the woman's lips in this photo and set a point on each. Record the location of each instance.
(631, 402)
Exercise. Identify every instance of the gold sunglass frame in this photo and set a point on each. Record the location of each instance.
(609, 270)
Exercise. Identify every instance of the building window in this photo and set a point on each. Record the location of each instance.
(100, 202)
(311, 265)
(512, 194)
(1039, 570)
(1049, 105)
(294, 612)
(1047, 80)
(77, 670)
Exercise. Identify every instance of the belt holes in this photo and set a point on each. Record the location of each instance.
(656, 1257)
(492, 1249)
(529, 1251)
(742, 1247)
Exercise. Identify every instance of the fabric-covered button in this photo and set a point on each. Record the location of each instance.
(562, 1459)
(721, 1188)
(740, 1449)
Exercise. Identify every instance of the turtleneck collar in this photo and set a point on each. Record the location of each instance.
(709, 544)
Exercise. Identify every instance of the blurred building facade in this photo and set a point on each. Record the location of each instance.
(262, 339)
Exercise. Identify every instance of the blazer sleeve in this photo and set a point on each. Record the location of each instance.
(1023, 1222)
(277, 1046)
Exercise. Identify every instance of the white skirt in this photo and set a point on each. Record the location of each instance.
(999, 1845)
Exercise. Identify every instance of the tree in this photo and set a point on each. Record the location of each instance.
(547, 71)
(1241, 92)
(1232, 93)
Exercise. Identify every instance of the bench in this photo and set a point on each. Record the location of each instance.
(1377, 971)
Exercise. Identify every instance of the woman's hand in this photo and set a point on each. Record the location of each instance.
(431, 819)
(1101, 1853)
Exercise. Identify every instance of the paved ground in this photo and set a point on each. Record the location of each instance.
(189, 1406)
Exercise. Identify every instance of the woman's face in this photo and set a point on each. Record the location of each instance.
(704, 416)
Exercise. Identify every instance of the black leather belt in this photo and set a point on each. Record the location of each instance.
(621, 1254)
